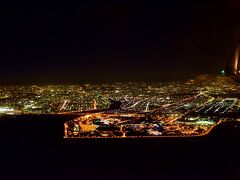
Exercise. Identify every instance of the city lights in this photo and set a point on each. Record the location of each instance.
(120, 110)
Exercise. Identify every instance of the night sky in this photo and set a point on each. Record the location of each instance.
(105, 41)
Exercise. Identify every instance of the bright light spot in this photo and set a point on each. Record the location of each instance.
(6, 110)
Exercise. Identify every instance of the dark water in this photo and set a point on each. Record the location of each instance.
(32, 147)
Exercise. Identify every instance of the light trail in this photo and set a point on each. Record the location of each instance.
(64, 105)
(136, 104)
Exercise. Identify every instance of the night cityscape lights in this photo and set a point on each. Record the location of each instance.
(120, 110)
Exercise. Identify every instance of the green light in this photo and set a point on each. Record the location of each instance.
(223, 72)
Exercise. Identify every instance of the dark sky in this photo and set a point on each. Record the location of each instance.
(99, 41)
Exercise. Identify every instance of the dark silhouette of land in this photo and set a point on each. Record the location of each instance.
(32, 147)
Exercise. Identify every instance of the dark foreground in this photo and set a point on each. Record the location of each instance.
(32, 147)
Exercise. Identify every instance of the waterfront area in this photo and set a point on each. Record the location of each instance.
(99, 125)
(134, 109)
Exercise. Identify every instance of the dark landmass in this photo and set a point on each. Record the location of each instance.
(32, 147)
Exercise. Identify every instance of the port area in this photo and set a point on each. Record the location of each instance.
(139, 125)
